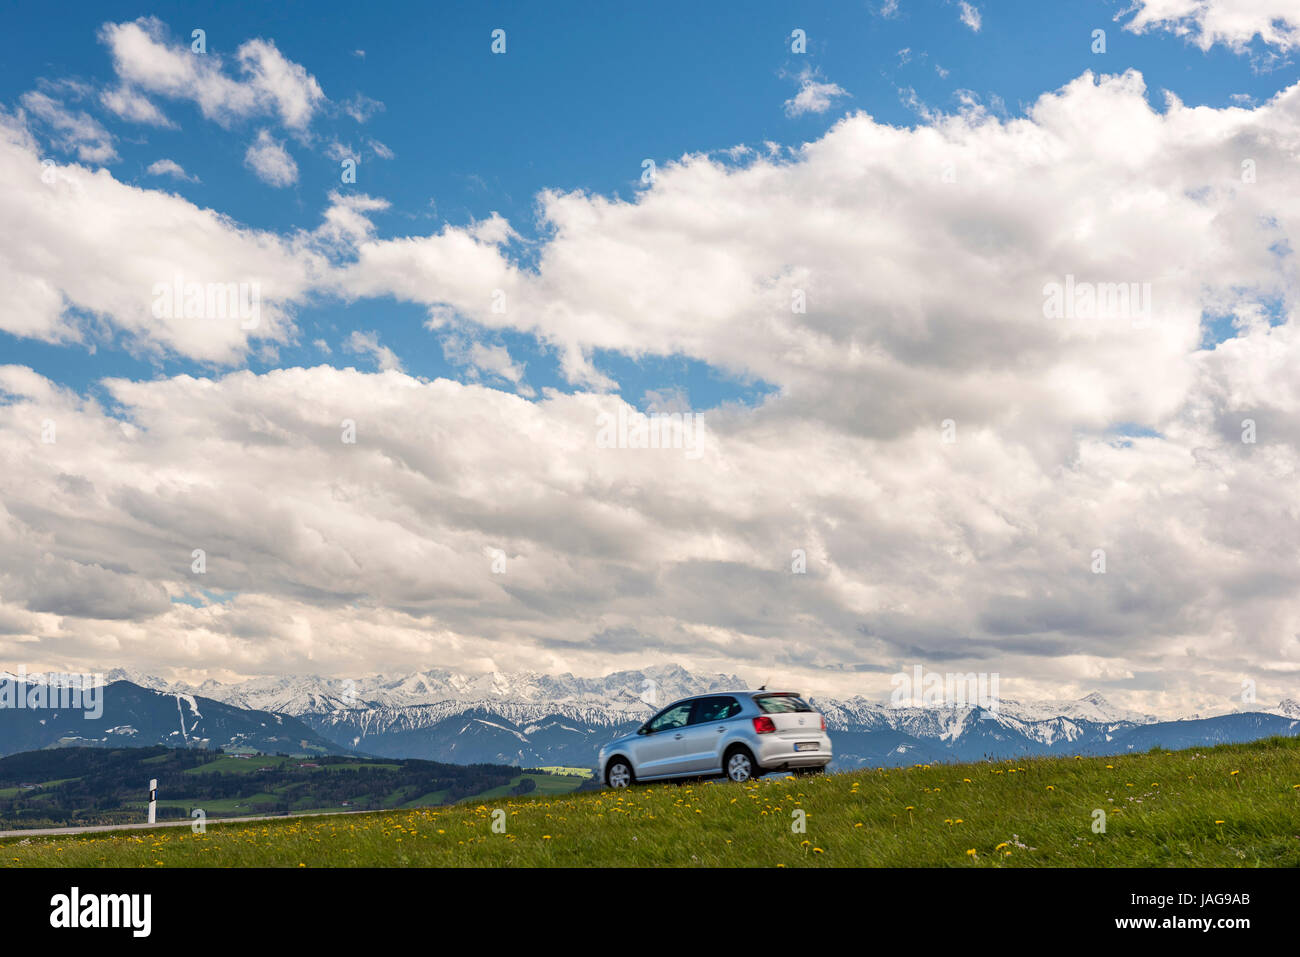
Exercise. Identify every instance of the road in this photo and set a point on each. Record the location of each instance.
(97, 828)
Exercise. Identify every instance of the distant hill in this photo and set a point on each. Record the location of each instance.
(80, 786)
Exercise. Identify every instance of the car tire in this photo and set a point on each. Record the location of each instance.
(739, 766)
(619, 774)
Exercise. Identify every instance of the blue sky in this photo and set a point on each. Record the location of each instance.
(842, 265)
(576, 103)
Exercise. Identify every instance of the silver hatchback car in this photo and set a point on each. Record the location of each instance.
(735, 734)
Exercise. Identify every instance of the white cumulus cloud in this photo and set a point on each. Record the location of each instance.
(814, 96)
(169, 167)
(264, 81)
(1233, 23)
(267, 157)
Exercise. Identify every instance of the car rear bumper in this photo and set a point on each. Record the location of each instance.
(776, 753)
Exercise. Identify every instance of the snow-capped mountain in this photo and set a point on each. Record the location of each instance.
(93, 680)
(529, 718)
(1287, 708)
(624, 691)
(407, 700)
(1091, 707)
(124, 714)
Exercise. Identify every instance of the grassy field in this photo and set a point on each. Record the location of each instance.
(572, 772)
(1236, 805)
(36, 789)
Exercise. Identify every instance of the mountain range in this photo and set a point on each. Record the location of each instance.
(534, 720)
(134, 716)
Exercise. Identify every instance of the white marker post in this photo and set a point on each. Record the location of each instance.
(153, 798)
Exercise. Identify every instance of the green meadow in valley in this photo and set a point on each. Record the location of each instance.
(1234, 805)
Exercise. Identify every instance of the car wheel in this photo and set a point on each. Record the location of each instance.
(619, 774)
(740, 766)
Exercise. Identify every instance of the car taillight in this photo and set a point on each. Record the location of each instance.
(823, 722)
(764, 725)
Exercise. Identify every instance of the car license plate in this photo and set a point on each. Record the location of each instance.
(806, 746)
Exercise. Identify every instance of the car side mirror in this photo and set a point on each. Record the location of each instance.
(644, 729)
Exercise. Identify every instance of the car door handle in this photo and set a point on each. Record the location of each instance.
(720, 730)
(677, 736)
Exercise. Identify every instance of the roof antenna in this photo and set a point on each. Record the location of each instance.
(763, 686)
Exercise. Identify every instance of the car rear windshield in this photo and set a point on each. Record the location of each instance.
(780, 703)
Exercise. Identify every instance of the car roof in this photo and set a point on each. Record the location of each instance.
(747, 691)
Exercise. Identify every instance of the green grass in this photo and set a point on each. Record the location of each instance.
(235, 805)
(399, 797)
(357, 767)
(229, 765)
(1163, 809)
(432, 799)
(550, 784)
(546, 784)
(40, 785)
(575, 772)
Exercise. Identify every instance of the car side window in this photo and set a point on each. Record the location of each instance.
(715, 709)
(674, 717)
